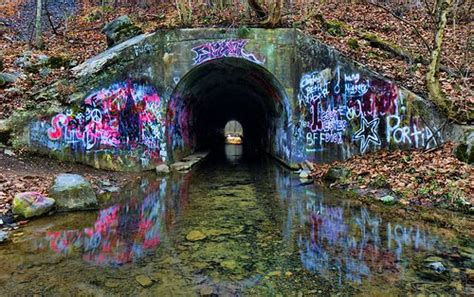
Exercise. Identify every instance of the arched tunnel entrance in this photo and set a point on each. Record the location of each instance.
(214, 93)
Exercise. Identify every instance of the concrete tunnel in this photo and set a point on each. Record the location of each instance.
(216, 92)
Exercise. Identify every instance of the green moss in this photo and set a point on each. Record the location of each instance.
(379, 182)
(335, 28)
(353, 44)
(243, 32)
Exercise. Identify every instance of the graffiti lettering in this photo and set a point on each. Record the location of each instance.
(221, 49)
(143, 49)
(121, 116)
(354, 86)
(409, 134)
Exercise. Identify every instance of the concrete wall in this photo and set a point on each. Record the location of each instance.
(116, 116)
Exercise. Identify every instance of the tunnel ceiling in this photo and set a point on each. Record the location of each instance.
(232, 76)
(229, 89)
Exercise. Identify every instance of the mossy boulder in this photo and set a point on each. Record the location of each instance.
(73, 192)
(31, 204)
(120, 30)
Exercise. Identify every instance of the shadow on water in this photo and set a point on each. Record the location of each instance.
(232, 227)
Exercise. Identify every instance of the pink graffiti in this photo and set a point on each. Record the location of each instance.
(125, 115)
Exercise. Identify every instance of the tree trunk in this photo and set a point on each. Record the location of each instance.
(271, 13)
(432, 77)
(258, 8)
(38, 24)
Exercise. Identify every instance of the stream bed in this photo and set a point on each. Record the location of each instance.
(233, 228)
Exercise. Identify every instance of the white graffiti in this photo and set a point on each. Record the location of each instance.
(354, 87)
(367, 133)
(143, 49)
(411, 135)
(313, 86)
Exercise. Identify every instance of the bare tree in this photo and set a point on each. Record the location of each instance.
(38, 24)
(432, 78)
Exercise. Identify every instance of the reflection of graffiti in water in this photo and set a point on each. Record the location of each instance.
(122, 233)
(353, 246)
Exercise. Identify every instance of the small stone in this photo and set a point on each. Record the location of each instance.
(112, 284)
(470, 274)
(305, 174)
(162, 169)
(206, 291)
(3, 236)
(274, 273)
(180, 166)
(195, 235)
(9, 152)
(112, 189)
(387, 199)
(437, 266)
(144, 281)
(229, 264)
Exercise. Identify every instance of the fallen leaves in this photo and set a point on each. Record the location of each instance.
(418, 177)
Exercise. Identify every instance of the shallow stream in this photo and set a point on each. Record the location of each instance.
(233, 228)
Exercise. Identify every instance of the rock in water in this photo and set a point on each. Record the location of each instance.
(305, 174)
(73, 192)
(3, 236)
(195, 235)
(120, 30)
(31, 204)
(162, 169)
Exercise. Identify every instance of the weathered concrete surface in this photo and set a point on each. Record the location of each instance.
(132, 107)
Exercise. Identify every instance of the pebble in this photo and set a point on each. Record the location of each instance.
(195, 235)
(3, 236)
(144, 281)
(112, 284)
(206, 291)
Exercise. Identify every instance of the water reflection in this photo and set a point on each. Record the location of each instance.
(257, 221)
(122, 233)
(349, 242)
(233, 153)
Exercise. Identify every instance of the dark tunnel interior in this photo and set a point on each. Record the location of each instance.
(228, 89)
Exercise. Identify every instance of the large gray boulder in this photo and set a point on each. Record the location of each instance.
(31, 204)
(120, 30)
(73, 192)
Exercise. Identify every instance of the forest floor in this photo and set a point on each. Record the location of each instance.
(418, 178)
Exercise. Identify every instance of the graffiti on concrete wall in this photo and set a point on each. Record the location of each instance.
(122, 116)
(223, 49)
(339, 108)
(178, 118)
